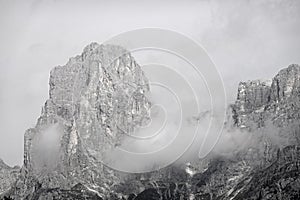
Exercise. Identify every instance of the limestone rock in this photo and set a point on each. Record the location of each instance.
(276, 101)
(100, 95)
(8, 176)
(94, 100)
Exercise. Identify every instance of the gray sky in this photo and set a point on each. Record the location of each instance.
(246, 40)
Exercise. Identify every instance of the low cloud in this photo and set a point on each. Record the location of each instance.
(46, 148)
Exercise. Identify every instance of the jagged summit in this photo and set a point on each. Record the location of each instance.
(3, 165)
(105, 49)
(106, 53)
(8, 176)
(99, 96)
(259, 100)
(286, 83)
(93, 99)
(291, 67)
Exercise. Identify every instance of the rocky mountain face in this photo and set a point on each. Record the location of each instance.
(100, 92)
(267, 167)
(100, 95)
(271, 110)
(275, 101)
(8, 176)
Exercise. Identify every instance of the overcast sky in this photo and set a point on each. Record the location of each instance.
(245, 39)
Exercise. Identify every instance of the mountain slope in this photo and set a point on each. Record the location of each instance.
(100, 95)
(8, 175)
(93, 100)
(267, 167)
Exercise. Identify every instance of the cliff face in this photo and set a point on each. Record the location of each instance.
(274, 100)
(8, 176)
(99, 96)
(267, 167)
(94, 100)
(271, 110)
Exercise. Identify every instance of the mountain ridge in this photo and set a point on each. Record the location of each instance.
(103, 91)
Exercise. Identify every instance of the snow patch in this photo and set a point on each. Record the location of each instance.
(235, 194)
(234, 178)
(94, 191)
(189, 170)
(191, 197)
(260, 110)
(73, 142)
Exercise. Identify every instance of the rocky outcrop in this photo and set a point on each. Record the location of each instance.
(261, 101)
(79, 192)
(269, 111)
(252, 99)
(267, 167)
(99, 96)
(280, 180)
(94, 100)
(8, 176)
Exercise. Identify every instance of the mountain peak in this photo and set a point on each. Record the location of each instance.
(3, 164)
(258, 99)
(8, 176)
(291, 67)
(286, 83)
(93, 99)
(91, 47)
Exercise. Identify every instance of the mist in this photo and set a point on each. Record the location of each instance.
(46, 148)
